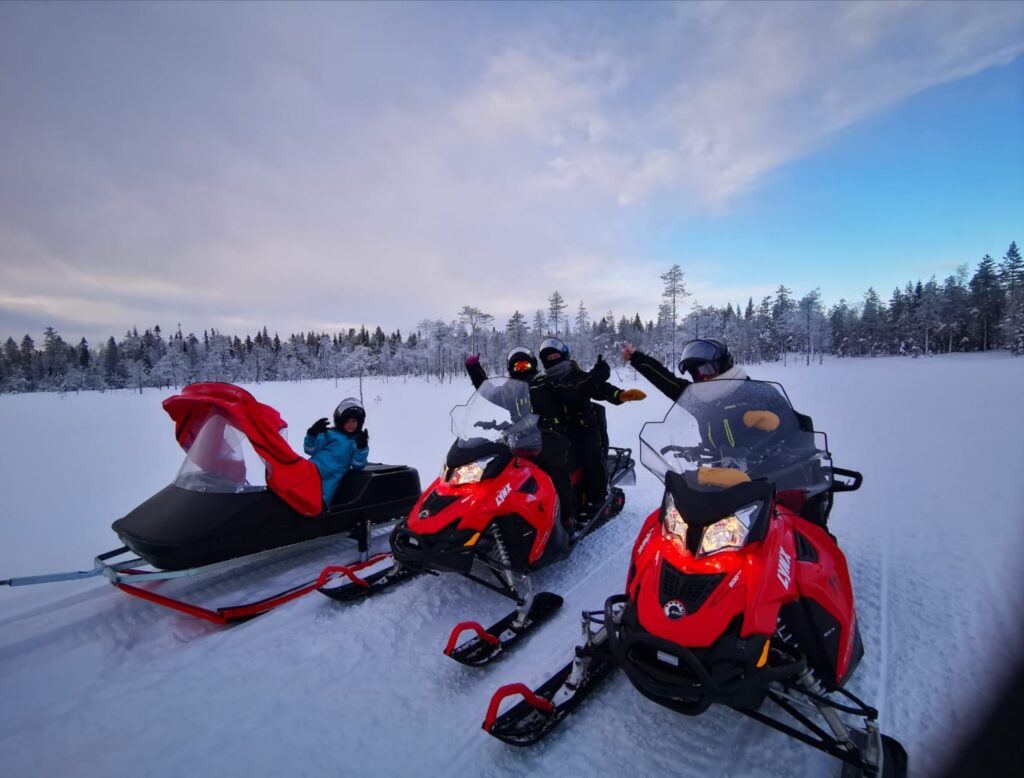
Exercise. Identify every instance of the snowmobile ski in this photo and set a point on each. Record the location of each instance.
(543, 708)
(487, 645)
(344, 584)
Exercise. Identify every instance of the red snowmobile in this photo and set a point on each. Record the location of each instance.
(241, 496)
(492, 516)
(736, 592)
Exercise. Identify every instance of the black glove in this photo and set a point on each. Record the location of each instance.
(601, 369)
(362, 438)
(318, 428)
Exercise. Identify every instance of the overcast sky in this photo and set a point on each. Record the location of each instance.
(319, 166)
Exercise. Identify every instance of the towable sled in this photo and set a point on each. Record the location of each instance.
(241, 496)
(737, 594)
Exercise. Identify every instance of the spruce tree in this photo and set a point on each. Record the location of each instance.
(556, 312)
(986, 302)
(673, 295)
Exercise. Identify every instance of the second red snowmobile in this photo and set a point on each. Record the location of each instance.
(736, 591)
(492, 516)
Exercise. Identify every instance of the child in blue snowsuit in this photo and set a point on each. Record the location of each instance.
(337, 450)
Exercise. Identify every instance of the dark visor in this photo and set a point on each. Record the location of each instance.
(700, 351)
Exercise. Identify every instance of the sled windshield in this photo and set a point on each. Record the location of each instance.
(221, 459)
(499, 412)
(745, 425)
(235, 444)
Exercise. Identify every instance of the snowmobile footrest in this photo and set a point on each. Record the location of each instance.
(489, 644)
(609, 509)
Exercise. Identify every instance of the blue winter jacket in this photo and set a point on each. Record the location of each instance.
(334, 453)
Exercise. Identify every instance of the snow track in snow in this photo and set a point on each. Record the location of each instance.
(879, 701)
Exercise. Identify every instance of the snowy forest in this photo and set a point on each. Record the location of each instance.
(964, 312)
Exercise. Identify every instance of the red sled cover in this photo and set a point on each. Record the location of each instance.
(292, 477)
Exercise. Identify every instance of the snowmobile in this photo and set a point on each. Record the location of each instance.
(736, 592)
(492, 516)
(242, 495)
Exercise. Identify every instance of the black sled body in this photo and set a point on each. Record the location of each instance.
(178, 529)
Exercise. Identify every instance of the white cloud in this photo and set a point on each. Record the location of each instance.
(273, 175)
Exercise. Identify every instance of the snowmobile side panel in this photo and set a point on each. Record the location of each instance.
(826, 625)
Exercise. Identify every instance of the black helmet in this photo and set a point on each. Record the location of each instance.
(705, 358)
(522, 363)
(349, 408)
(552, 351)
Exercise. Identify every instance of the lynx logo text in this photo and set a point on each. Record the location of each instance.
(505, 490)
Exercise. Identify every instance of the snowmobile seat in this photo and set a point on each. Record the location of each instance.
(373, 484)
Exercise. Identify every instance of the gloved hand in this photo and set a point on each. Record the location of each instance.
(472, 359)
(627, 351)
(362, 438)
(601, 369)
(766, 421)
(721, 476)
(318, 428)
(631, 394)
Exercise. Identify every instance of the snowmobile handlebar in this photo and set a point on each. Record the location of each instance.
(689, 453)
(856, 479)
(727, 456)
(493, 425)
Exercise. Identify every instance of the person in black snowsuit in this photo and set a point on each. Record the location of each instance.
(745, 418)
(748, 415)
(553, 457)
(575, 390)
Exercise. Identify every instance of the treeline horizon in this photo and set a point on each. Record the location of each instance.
(965, 312)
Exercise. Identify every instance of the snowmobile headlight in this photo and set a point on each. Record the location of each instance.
(469, 474)
(728, 533)
(673, 520)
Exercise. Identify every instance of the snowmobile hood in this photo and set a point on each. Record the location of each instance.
(292, 477)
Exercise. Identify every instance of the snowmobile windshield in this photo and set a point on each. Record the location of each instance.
(499, 412)
(730, 425)
(221, 459)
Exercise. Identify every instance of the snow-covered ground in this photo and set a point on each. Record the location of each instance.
(93, 682)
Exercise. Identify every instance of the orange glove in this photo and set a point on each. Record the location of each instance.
(766, 421)
(721, 476)
(631, 394)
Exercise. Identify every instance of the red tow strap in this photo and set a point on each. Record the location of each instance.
(461, 627)
(508, 690)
